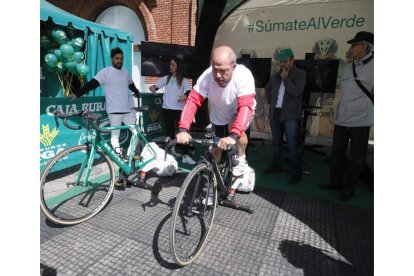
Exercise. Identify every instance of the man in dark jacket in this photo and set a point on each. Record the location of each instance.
(284, 95)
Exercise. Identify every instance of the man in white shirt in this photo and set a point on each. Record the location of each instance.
(119, 102)
(231, 92)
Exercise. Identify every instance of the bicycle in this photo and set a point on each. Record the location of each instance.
(78, 182)
(206, 186)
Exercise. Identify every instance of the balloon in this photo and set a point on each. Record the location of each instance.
(78, 57)
(71, 44)
(82, 69)
(59, 36)
(66, 50)
(77, 43)
(60, 67)
(45, 41)
(70, 65)
(58, 54)
(51, 60)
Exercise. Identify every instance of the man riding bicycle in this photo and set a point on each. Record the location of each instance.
(230, 90)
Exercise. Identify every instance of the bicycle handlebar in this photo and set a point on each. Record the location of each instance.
(205, 141)
(141, 108)
(85, 114)
(59, 114)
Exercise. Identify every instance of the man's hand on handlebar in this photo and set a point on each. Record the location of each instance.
(225, 143)
(183, 137)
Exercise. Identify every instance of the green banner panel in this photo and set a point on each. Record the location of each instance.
(153, 121)
(54, 140)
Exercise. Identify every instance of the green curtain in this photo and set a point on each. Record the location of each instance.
(98, 55)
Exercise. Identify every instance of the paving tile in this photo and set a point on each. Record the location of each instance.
(287, 234)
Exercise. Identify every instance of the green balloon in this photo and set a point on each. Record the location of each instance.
(58, 54)
(66, 50)
(82, 69)
(78, 43)
(78, 57)
(70, 65)
(51, 60)
(59, 36)
(60, 67)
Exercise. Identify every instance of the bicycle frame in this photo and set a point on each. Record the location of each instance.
(223, 180)
(95, 141)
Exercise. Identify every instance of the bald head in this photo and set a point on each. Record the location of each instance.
(223, 55)
(223, 62)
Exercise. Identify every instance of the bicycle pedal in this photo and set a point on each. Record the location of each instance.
(128, 184)
(119, 186)
(137, 157)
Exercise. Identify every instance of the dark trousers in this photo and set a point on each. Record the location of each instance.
(290, 128)
(341, 175)
(171, 119)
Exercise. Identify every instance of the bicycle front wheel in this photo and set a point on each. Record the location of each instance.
(193, 215)
(65, 197)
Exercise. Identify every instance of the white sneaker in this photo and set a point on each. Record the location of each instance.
(239, 169)
(209, 201)
(187, 159)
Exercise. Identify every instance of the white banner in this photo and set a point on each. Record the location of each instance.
(306, 27)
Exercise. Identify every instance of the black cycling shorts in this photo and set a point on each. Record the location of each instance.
(223, 131)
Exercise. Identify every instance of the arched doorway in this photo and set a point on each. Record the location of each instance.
(125, 19)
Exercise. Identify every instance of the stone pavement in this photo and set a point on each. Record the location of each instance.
(288, 234)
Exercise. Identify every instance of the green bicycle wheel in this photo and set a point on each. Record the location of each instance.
(65, 198)
(193, 215)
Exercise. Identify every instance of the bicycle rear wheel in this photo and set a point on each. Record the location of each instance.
(65, 198)
(193, 215)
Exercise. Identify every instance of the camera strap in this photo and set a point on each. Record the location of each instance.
(364, 89)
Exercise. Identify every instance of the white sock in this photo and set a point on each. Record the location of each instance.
(241, 157)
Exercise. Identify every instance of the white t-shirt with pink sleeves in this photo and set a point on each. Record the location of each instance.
(115, 83)
(223, 100)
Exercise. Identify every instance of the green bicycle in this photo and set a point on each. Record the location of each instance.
(78, 182)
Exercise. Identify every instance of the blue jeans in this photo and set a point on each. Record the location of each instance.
(290, 128)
